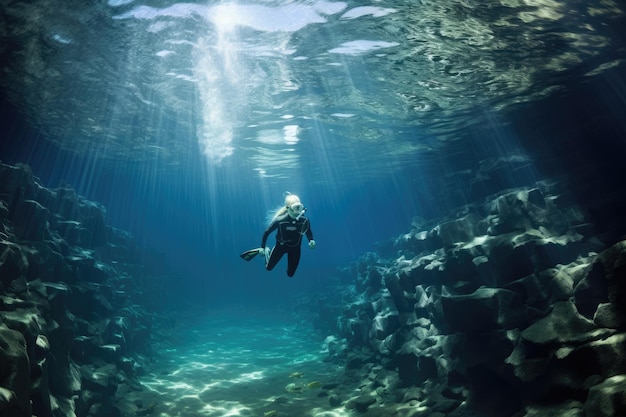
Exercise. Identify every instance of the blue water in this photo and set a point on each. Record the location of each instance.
(189, 121)
(202, 224)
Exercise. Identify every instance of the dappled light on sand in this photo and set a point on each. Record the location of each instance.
(236, 367)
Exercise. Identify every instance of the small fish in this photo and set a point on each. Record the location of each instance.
(270, 413)
(296, 375)
(314, 384)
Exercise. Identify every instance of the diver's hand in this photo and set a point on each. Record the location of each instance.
(312, 244)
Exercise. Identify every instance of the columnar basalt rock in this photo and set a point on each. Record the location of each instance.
(509, 307)
(71, 313)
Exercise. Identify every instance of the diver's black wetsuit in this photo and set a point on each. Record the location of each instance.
(288, 240)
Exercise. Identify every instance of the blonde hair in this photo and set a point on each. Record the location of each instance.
(289, 200)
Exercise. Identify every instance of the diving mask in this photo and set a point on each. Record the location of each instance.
(296, 210)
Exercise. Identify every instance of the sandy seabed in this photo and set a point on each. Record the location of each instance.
(228, 365)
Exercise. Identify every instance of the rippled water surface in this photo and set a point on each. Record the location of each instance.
(278, 86)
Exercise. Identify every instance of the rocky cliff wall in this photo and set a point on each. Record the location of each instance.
(510, 307)
(73, 297)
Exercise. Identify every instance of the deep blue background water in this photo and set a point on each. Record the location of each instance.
(202, 218)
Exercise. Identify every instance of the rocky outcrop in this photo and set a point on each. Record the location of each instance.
(72, 313)
(509, 307)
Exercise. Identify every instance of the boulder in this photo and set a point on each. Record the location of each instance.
(458, 230)
(13, 263)
(41, 395)
(509, 261)
(402, 303)
(484, 309)
(14, 182)
(605, 357)
(487, 350)
(362, 403)
(118, 332)
(613, 261)
(66, 203)
(457, 268)
(610, 316)
(15, 371)
(372, 280)
(99, 380)
(527, 209)
(607, 399)
(385, 325)
(4, 209)
(334, 401)
(604, 282)
(591, 291)
(30, 220)
(569, 408)
(356, 359)
(28, 322)
(92, 217)
(47, 262)
(563, 325)
(72, 232)
(422, 300)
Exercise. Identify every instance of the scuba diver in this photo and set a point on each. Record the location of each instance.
(290, 224)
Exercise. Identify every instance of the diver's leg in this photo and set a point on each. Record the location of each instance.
(293, 259)
(275, 256)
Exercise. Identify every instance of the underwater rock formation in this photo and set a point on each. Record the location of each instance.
(72, 317)
(509, 307)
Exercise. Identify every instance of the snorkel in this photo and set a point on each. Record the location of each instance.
(301, 213)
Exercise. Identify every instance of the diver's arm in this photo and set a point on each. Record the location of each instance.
(267, 232)
(309, 232)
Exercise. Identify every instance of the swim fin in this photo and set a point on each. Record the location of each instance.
(249, 254)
